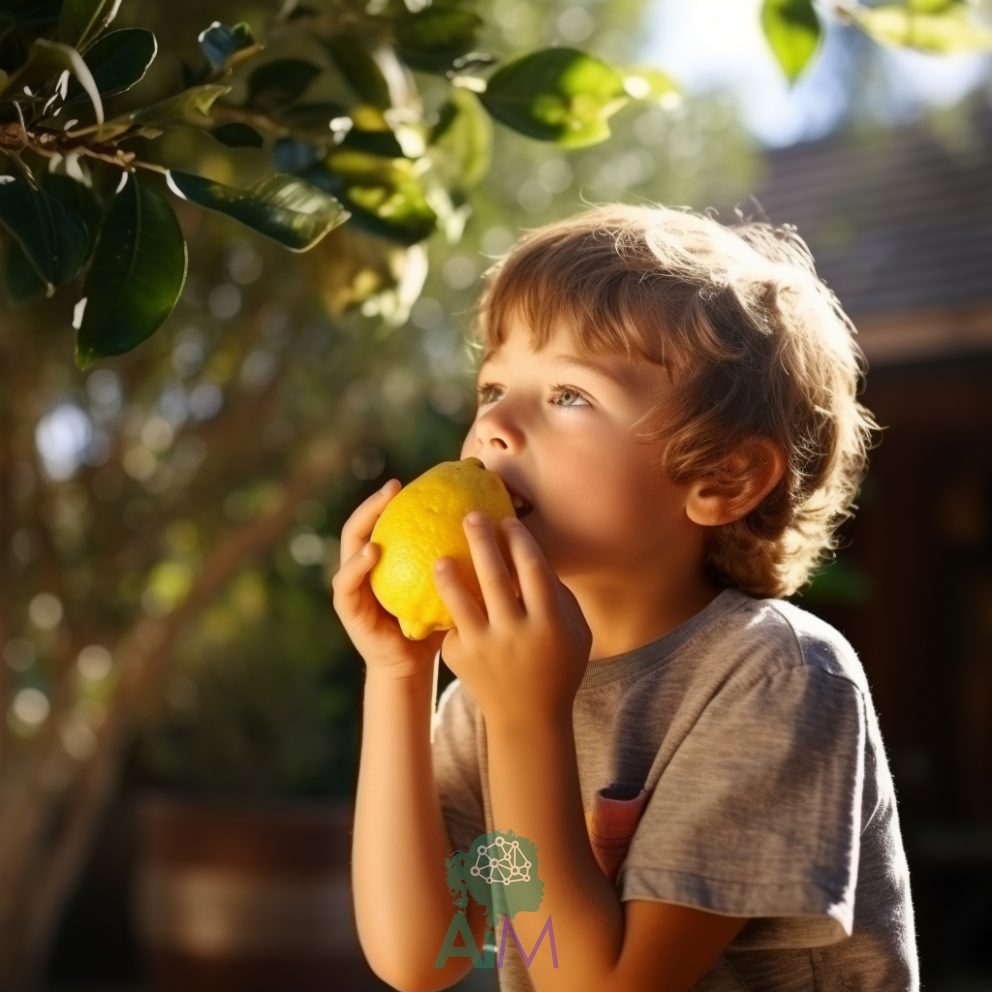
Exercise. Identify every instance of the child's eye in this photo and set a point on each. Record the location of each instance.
(564, 390)
(485, 391)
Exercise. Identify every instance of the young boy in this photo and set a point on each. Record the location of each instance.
(697, 761)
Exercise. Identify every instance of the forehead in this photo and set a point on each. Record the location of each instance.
(560, 353)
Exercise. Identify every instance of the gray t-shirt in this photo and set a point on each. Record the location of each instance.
(743, 752)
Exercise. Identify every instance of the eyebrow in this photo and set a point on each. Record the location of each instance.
(574, 360)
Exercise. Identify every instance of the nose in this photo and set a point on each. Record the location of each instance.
(496, 430)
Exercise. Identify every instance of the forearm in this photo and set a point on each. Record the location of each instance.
(402, 904)
(534, 785)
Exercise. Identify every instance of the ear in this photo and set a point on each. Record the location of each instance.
(738, 485)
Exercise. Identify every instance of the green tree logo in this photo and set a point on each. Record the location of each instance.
(500, 872)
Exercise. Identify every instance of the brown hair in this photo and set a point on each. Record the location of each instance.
(753, 340)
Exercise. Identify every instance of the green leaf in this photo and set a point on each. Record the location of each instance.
(385, 196)
(220, 42)
(461, 143)
(49, 58)
(54, 239)
(76, 197)
(793, 31)
(648, 83)
(237, 136)
(191, 107)
(23, 283)
(117, 61)
(433, 38)
(82, 20)
(953, 29)
(286, 209)
(135, 278)
(361, 70)
(280, 82)
(557, 94)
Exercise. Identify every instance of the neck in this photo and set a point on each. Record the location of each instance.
(626, 614)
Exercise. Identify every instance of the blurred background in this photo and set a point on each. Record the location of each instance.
(142, 470)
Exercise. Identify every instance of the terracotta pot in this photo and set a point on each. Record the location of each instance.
(247, 898)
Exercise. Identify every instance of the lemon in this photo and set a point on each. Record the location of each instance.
(423, 522)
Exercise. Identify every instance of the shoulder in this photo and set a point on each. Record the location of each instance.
(775, 635)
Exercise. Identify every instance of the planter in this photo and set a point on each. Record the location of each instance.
(247, 898)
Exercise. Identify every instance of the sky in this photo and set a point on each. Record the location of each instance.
(706, 44)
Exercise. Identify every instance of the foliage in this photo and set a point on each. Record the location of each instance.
(340, 116)
(794, 31)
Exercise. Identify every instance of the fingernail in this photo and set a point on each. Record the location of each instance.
(440, 565)
(386, 486)
(476, 517)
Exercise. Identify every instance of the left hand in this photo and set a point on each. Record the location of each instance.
(526, 658)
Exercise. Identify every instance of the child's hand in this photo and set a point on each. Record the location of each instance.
(374, 631)
(525, 660)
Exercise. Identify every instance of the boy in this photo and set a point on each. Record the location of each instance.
(697, 761)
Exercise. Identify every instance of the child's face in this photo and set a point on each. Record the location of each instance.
(561, 436)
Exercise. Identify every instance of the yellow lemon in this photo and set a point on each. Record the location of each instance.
(423, 522)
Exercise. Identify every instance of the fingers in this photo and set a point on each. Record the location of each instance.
(456, 597)
(536, 580)
(491, 568)
(358, 527)
(348, 581)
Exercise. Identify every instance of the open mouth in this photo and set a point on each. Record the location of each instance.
(520, 505)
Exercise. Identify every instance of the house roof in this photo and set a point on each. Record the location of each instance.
(900, 225)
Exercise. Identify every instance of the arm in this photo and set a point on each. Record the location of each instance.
(522, 661)
(602, 944)
(402, 904)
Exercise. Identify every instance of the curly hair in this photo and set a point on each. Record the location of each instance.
(754, 343)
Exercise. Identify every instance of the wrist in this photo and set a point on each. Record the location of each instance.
(529, 725)
(401, 676)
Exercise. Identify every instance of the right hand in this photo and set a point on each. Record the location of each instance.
(373, 630)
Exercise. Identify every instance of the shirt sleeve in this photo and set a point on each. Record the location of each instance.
(758, 812)
(455, 750)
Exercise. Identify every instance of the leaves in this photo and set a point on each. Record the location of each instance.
(117, 61)
(190, 107)
(225, 46)
(646, 83)
(361, 70)
(557, 94)
(135, 278)
(434, 37)
(22, 281)
(49, 58)
(53, 239)
(237, 136)
(286, 209)
(385, 196)
(82, 20)
(280, 82)
(461, 142)
(925, 26)
(793, 31)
